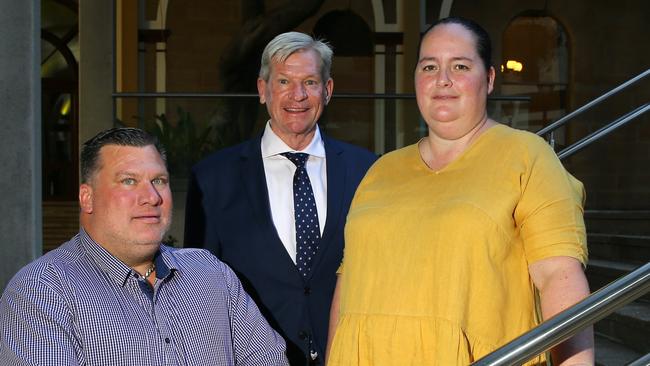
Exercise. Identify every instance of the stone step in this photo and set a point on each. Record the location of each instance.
(634, 249)
(618, 221)
(602, 272)
(611, 353)
(629, 325)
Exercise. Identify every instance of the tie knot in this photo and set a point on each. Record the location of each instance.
(299, 159)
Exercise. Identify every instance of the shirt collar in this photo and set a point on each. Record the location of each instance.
(272, 144)
(165, 262)
(116, 269)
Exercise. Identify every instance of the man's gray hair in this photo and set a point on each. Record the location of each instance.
(286, 44)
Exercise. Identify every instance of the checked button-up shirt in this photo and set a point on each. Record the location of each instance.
(79, 305)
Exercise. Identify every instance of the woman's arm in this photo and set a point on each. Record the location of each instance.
(334, 316)
(561, 283)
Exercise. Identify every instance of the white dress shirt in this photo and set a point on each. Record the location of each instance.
(279, 173)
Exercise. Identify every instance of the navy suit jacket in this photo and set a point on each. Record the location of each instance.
(228, 213)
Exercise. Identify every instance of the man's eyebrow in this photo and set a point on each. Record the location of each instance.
(127, 173)
(307, 76)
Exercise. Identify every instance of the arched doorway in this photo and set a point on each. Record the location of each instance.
(536, 63)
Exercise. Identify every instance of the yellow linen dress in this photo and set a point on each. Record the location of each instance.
(435, 270)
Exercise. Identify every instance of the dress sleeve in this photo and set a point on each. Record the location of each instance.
(549, 214)
(37, 325)
(255, 343)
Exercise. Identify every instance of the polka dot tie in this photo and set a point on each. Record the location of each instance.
(306, 215)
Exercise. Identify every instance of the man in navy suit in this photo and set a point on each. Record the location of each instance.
(240, 202)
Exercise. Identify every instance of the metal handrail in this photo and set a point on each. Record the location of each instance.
(602, 132)
(562, 121)
(641, 361)
(572, 320)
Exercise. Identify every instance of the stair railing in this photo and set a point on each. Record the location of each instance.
(604, 131)
(572, 320)
(564, 120)
(641, 361)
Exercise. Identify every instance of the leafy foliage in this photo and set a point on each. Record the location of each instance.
(185, 142)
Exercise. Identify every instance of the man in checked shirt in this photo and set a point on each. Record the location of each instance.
(113, 295)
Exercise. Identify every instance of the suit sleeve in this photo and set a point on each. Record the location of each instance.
(195, 215)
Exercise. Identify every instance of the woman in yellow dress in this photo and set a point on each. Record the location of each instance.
(449, 240)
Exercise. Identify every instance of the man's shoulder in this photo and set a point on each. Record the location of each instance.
(229, 153)
(193, 258)
(351, 151)
(196, 264)
(51, 267)
(225, 158)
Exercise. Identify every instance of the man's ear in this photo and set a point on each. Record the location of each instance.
(261, 89)
(329, 88)
(86, 198)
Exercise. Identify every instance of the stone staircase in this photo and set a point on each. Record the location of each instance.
(619, 242)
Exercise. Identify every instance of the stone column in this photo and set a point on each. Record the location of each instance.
(96, 78)
(409, 126)
(20, 150)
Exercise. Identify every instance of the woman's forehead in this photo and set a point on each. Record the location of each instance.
(449, 37)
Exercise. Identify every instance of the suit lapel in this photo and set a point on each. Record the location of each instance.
(336, 179)
(254, 180)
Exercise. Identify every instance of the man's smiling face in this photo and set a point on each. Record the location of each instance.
(295, 94)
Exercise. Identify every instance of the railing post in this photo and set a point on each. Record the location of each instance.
(551, 139)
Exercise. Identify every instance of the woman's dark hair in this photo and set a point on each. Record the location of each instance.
(483, 42)
(124, 136)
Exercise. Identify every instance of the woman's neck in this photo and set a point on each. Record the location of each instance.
(438, 152)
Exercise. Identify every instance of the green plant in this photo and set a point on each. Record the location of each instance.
(184, 141)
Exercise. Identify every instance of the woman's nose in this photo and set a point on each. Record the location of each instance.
(443, 79)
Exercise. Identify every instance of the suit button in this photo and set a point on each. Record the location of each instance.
(302, 335)
(307, 290)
